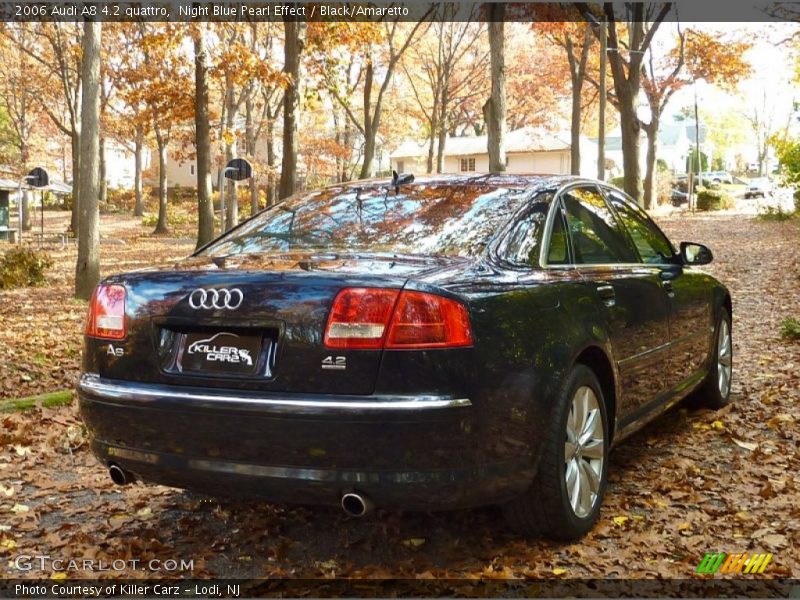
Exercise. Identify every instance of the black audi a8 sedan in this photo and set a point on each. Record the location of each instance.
(448, 342)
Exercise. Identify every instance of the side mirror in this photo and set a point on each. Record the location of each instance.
(695, 254)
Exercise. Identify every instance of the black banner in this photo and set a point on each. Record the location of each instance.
(410, 10)
(388, 588)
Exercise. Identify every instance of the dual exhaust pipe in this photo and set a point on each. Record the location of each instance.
(353, 503)
(356, 505)
(119, 475)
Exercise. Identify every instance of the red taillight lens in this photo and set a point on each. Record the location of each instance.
(368, 318)
(429, 321)
(359, 318)
(107, 313)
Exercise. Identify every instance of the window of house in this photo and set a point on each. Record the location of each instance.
(467, 164)
(191, 169)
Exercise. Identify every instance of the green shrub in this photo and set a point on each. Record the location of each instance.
(22, 267)
(618, 182)
(797, 200)
(771, 213)
(708, 199)
(790, 329)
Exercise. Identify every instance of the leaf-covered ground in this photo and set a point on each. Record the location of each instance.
(693, 481)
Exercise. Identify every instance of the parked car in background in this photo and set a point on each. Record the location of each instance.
(678, 197)
(759, 187)
(717, 177)
(441, 343)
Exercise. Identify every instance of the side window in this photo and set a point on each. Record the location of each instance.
(558, 252)
(597, 237)
(524, 242)
(653, 246)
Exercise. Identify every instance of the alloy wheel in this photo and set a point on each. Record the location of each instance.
(724, 359)
(584, 451)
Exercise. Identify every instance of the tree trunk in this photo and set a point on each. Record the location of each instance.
(162, 226)
(270, 161)
(434, 129)
(87, 269)
(575, 128)
(103, 174)
(250, 148)
(369, 131)
(76, 182)
(292, 48)
(629, 124)
(202, 127)
(442, 127)
(25, 210)
(494, 111)
(231, 199)
(651, 129)
(138, 209)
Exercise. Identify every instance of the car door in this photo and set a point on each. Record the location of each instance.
(634, 305)
(690, 305)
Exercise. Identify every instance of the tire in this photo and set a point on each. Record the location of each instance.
(715, 391)
(546, 507)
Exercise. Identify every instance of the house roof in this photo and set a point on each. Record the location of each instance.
(57, 187)
(526, 139)
(669, 134)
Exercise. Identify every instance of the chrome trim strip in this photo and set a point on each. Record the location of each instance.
(91, 384)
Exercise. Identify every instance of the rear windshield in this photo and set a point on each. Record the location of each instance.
(433, 219)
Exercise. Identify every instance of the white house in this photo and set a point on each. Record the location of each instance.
(528, 150)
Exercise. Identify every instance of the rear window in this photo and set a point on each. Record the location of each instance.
(435, 219)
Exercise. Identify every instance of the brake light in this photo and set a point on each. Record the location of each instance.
(370, 318)
(359, 318)
(107, 313)
(429, 321)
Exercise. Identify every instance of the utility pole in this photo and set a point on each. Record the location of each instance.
(601, 129)
(697, 140)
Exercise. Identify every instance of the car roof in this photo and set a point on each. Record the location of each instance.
(508, 180)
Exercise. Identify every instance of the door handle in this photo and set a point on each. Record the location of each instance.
(606, 292)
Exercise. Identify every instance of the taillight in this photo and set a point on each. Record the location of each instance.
(107, 313)
(429, 321)
(359, 318)
(370, 318)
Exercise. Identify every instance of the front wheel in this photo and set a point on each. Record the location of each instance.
(564, 500)
(715, 391)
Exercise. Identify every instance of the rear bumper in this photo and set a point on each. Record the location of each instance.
(412, 452)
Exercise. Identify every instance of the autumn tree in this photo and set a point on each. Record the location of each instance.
(87, 270)
(576, 41)
(55, 53)
(376, 50)
(626, 54)
(159, 80)
(442, 69)
(696, 55)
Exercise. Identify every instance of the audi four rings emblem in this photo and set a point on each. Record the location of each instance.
(229, 299)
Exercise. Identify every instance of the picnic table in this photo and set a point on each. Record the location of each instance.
(61, 237)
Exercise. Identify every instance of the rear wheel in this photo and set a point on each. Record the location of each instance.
(564, 500)
(715, 391)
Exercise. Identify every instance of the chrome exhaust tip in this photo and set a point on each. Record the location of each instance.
(356, 505)
(119, 475)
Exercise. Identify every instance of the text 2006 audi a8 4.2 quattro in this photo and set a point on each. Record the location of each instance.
(430, 344)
